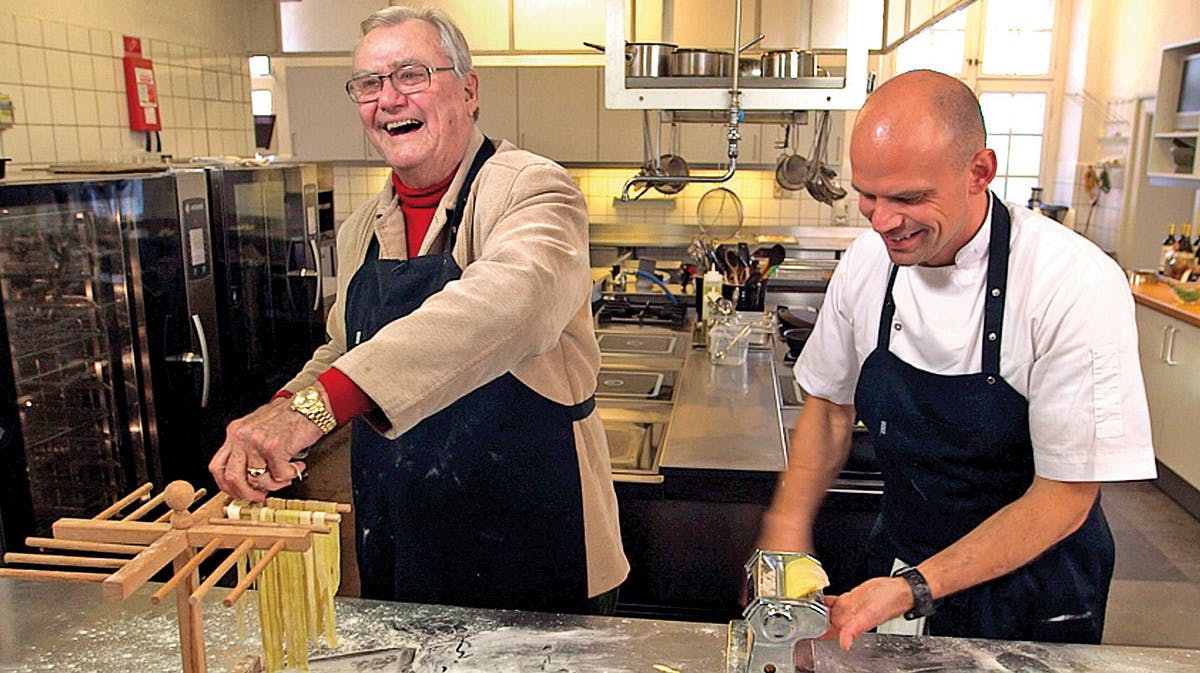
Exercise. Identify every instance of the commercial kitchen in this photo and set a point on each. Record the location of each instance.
(173, 175)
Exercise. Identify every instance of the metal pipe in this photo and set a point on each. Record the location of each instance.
(663, 179)
(735, 113)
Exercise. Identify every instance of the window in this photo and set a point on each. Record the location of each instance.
(1004, 50)
(262, 102)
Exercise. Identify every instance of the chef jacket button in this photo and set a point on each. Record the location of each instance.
(897, 326)
(991, 380)
(991, 336)
(995, 292)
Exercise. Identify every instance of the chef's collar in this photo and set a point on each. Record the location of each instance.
(975, 252)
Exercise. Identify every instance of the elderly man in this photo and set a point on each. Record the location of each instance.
(461, 346)
(992, 354)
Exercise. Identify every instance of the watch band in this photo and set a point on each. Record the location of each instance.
(308, 403)
(922, 597)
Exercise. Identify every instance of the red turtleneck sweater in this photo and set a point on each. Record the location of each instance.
(346, 400)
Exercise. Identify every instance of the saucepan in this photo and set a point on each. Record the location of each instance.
(707, 62)
(789, 63)
(644, 59)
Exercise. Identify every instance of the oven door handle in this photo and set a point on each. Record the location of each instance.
(200, 358)
(317, 269)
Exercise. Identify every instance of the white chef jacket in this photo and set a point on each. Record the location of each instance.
(1068, 340)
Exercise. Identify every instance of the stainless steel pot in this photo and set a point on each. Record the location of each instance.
(644, 59)
(701, 63)
(789, 63)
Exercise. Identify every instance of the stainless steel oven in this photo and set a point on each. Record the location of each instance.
(110, 374)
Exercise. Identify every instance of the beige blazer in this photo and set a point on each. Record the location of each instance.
(521, 306)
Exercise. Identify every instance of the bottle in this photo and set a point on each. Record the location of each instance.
(711, 292)
(1185, 255)
(1168, 247)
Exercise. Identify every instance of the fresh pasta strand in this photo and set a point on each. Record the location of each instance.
(296, 591)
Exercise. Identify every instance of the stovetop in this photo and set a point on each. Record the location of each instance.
(618, 310)
(631, 384)
(637, 344)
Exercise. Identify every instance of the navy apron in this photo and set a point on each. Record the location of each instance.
(480, 504)
(954, 449)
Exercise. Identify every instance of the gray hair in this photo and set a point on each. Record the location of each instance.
(453, 42)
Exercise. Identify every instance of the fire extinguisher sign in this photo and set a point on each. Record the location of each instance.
(140, 90)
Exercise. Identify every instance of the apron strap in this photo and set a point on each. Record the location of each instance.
(889, 311)
(578, 412)
(997, 286)
(454, 216)
(993, 304)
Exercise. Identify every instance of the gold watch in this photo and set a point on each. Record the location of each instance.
(308, 402)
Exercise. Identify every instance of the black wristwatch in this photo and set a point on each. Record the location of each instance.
(922, 598)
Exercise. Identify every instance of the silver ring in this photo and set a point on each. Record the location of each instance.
(256, 471)
(299, 472)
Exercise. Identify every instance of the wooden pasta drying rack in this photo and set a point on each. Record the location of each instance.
(178, 537)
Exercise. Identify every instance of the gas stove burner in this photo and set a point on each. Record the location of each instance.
(625, 311)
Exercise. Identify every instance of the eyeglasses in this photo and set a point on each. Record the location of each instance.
(406, 79)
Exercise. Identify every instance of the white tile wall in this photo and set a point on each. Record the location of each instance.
(763, 203)
(68, 90)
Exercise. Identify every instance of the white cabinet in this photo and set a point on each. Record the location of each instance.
(483, 22)
(498, 102)
(1169, 350)
(1168, 162)
(322, 121)
(556, 26)
(620, 132)
(558, 110)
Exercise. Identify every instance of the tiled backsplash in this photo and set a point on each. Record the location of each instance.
(68, 89)
(763, 203)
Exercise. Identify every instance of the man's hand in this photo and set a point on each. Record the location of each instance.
(866, 606)
(268, 437)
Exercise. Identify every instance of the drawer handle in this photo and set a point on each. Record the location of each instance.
(1171, 348)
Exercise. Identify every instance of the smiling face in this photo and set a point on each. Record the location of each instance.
(908, 168)
(422, 136)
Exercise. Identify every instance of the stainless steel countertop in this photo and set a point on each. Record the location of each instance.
(68, 627)
(726, 417)
(873, 653)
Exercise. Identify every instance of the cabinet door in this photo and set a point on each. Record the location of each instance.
(483, 22)
(708, 24)
(563, 24)
(558, 112)
(620, 133)
(323, 121)
(498, 102)
(1172, 388)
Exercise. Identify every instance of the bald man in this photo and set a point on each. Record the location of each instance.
(992, 354)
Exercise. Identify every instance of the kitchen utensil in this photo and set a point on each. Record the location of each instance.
(644, 59)
(791, 171)
(726, 346)
(649, 167)
(796, 338)
(820, 181)
(788, 63)
(701, 63)
(774, 254)
(719, 213)
(801, 316)
(673, 165)
(736, 271)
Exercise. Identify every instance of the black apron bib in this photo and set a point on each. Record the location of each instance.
(955, 449)
(479, 505)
